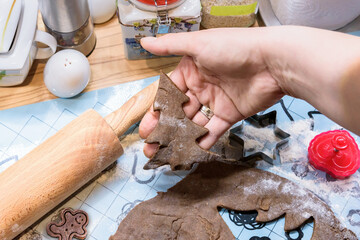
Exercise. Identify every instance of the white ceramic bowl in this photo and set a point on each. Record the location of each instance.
(101, 10)
(326, 14)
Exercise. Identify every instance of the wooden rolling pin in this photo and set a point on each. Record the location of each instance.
(65, 162)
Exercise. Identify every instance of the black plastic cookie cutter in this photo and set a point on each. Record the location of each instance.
(246, 219)
(311, 115)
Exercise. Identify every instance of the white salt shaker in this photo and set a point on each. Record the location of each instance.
(67, 73)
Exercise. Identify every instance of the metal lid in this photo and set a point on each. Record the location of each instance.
(156, 5)
(158, 2)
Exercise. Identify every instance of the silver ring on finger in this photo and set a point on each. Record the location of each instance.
(207, 112)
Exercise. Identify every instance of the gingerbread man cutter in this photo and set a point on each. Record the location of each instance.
(73, 224)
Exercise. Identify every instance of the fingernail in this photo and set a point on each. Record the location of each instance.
(148, 39)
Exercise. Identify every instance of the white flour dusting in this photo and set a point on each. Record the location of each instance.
(132, 140)
(120, 94)
(15, 227)
(131, 144)
(265, 184)
(258, 139)
(300, 137)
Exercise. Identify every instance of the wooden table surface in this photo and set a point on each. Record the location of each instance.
(109, 67)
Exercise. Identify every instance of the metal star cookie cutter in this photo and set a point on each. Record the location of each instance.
(261, 121)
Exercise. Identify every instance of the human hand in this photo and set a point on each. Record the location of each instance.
(221, 69)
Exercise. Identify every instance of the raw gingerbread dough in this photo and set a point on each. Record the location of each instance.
(175, 133)
(189, 209)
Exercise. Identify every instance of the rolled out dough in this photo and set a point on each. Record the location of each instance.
(189, 209)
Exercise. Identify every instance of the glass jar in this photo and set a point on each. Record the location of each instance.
(141, 18)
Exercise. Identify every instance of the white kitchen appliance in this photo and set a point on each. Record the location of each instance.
(343, 16)
(18, 39)
(326, 14)
(141, 18)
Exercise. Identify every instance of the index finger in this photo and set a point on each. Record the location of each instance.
(172, 44)
(148, 123)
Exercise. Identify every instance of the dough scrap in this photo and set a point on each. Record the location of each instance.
(189, 209)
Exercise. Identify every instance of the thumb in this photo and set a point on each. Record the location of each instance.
(171, 44)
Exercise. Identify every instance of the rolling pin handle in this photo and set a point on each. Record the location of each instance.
(133, 110)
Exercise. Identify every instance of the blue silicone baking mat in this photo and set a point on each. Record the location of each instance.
(110, 197)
